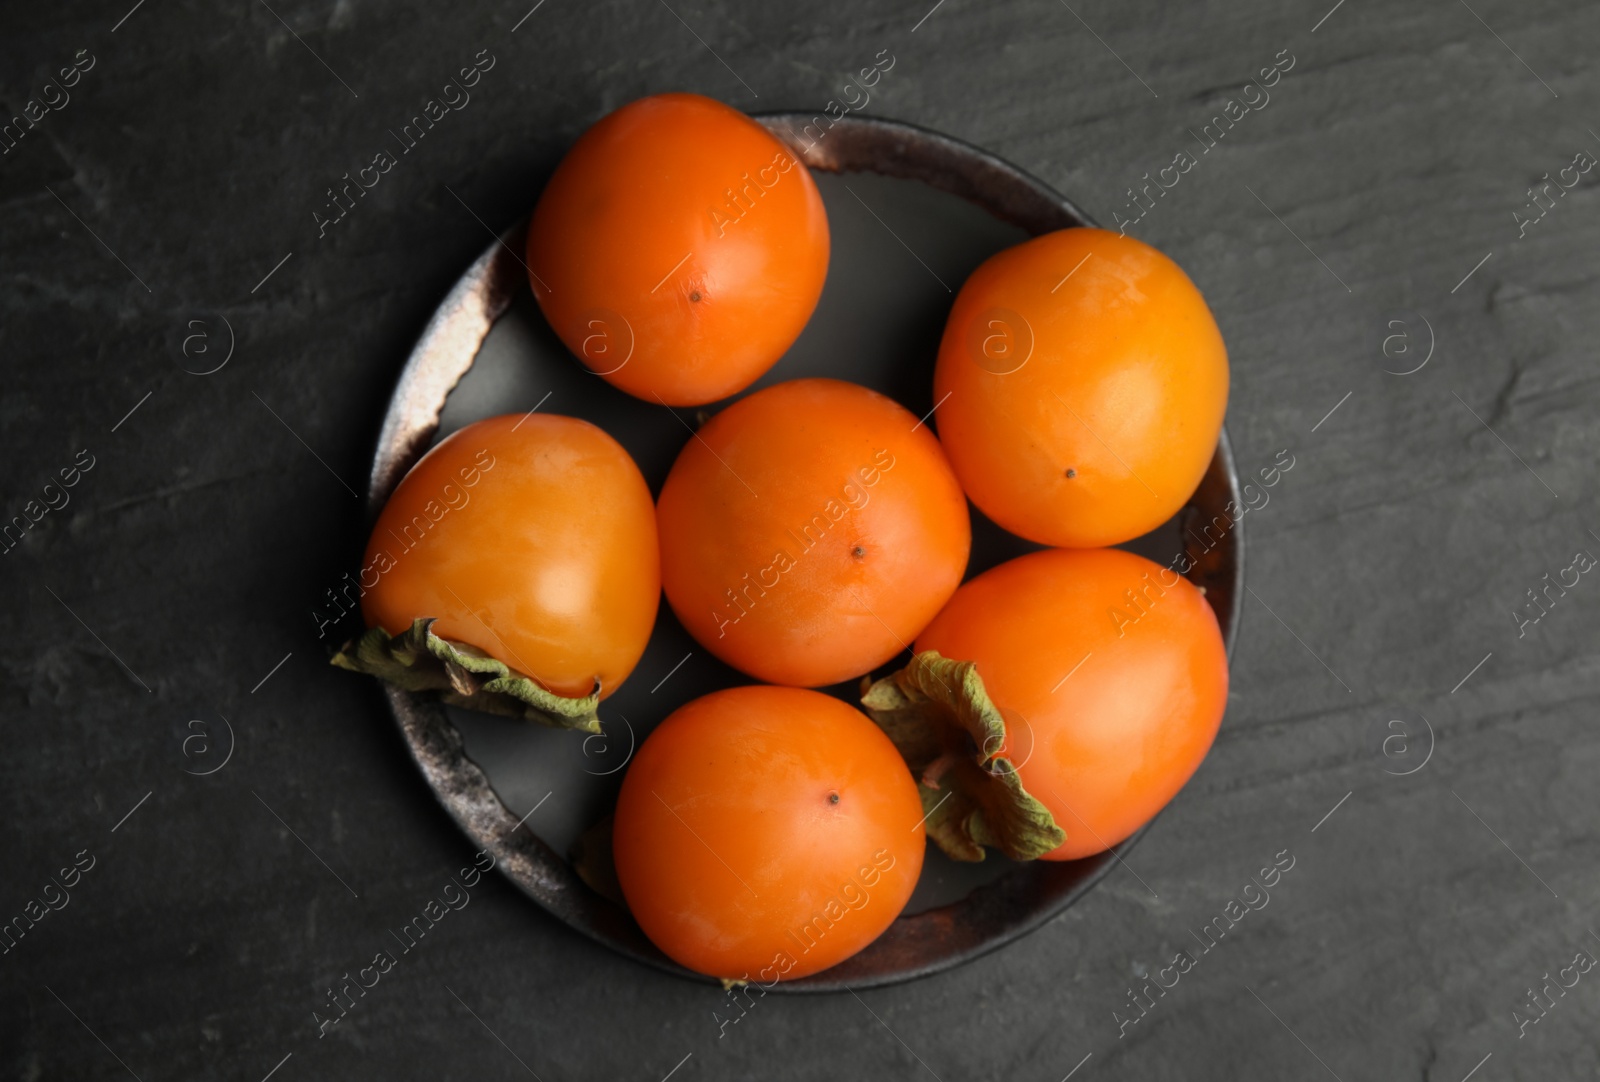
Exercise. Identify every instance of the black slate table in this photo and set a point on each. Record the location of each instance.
(1410, 730)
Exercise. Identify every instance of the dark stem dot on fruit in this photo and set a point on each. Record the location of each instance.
(695, 296)
(858, 552)
(1071, 472)
(833, 797)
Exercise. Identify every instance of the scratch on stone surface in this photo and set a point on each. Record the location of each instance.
(179, 489)
(1352, 510)
(1238, 729)
(799, 64)
(47, 679)
(1432, 1059)
(1216, 90)
(85, 298)
(1029, 1055)
(1545, 290)
(1502, 397)
(24, 197)
(1264, 534)
(1564, 395)
(1270, 777)
(70, 160)
(1517, 715)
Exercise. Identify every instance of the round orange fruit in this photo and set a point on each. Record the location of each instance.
(809, 531)
(1083, 383)
(679, 249)
(530, 537)
(1112, 676)
(766, 833)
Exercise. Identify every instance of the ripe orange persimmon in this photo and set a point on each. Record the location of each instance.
(1112, 677)
(678, 249)
(765, 833)
(1083, 382)
(530, 537)
(809, 531)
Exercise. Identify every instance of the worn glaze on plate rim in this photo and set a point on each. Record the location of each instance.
(914, 946)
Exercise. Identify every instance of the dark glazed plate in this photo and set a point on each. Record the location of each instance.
(897, 196)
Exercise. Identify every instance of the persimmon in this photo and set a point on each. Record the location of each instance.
(679, 249)
(766, 833)
(529, 539)
(809, 531)
(1101, 678)
(1083, 383)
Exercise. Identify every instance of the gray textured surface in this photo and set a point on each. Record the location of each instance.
(1397, 148)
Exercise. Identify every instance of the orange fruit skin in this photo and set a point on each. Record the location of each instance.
(1107, 747)
(731, 852)
(1123, 380)
(547, 560)
(809, 531)
(679, 249)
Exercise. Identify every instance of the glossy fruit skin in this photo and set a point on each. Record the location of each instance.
(1108, 747)
(531, 537)
(679, 249)
(810, 531)
(730, 846)
(1083, 351)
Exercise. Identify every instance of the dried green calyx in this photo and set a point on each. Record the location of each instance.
(419, 660)
(950, 733)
